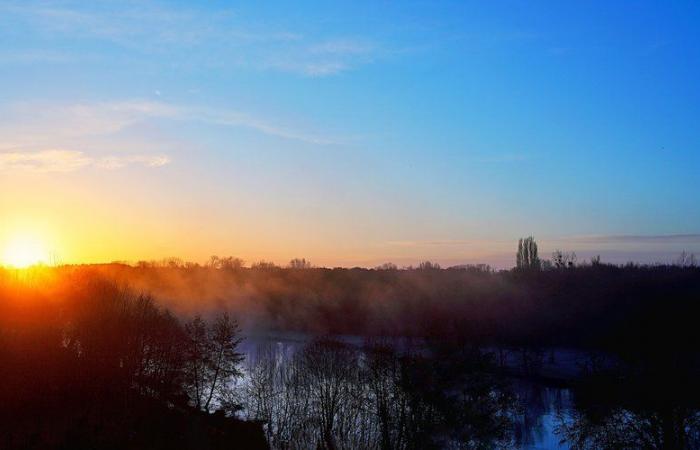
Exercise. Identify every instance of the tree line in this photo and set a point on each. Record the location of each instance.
(567, 304)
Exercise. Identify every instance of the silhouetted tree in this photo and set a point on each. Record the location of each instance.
(225, 358)
(527, 257)
(212, 357)
(562, 260)
(427, 265)
(299, 263)
(686, 259)
(197, 356)
(264, 265)
(226, 262)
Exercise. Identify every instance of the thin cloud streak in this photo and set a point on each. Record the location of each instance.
(147, 29)
(69, 121)
(635, 239)
(236, 119)
(31, 56)
(435, 243)
(58, 160)
(118, 162)
(45, 138)
(689, 238)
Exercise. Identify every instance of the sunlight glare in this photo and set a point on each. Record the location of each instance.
(24, 251)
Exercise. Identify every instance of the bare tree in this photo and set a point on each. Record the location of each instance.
(686, 259)
(197, 353)
(225, 358)
(562, 260)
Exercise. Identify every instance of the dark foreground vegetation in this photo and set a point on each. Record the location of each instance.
(86, 362)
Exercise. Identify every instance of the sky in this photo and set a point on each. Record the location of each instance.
(350, 133)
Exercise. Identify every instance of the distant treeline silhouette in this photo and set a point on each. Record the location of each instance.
(551, 303)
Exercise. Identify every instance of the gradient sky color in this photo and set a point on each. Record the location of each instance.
(351, 133)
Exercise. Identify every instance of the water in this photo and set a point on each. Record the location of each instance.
(543, 407)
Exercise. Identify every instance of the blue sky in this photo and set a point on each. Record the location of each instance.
(352, 132)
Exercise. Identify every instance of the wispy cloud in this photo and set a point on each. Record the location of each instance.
(204, 37)
(328, 57)
(564, 241)
(346, 46)
(435, 243)
(118, 162)
(617, 249)
(57, 160)
(44, 161)
(31, 56)
(311, 69)
(42, 137)
(238, 119)
(636, 239)
(127, 24)
(32, 122)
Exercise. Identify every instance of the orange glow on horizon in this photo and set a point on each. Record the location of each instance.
(23, 251)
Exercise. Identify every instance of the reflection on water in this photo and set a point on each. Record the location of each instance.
(544, 408)
(540, 409)
(454, 399)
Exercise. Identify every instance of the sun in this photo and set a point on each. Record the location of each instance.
(23, 251)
